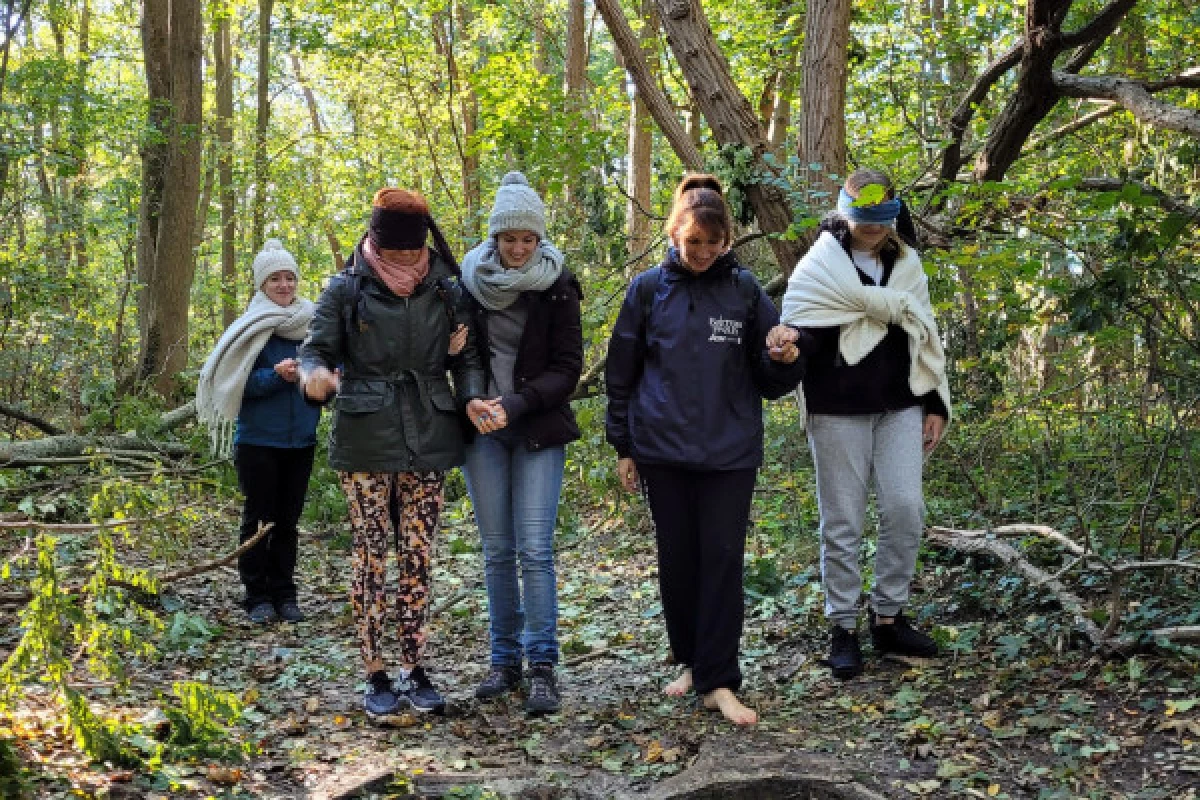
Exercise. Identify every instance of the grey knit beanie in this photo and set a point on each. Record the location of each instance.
(273, 258)
(517, 208)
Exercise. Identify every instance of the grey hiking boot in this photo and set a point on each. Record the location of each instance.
(543, 697)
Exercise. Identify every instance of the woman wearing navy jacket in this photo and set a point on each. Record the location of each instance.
(249, 380)
(687, 370)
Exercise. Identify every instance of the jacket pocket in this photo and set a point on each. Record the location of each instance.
(362, 397)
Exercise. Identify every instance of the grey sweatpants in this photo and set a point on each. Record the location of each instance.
(850, 452)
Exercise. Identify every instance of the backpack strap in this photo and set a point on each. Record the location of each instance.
(646, 289)
(748, 291)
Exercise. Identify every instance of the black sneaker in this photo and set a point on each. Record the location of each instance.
(262, 614)
(501, 680)
(543, 697)
(420, 692)
(381, 699)
(845, 656)
(289, 611)
(901, 639)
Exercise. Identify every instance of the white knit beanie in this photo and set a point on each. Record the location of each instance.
(273, 258)
(517, 208)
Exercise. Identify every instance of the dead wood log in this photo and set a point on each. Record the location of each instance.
(35, 451)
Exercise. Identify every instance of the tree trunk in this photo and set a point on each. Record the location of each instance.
(538, 22)
(686, 148)
(223, 64)
(785, 91)
(641, 141)
(728, 112)
(823, 92)
(172, 31)
(262, 120)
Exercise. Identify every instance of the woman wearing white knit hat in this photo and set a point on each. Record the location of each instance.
(248, 389)
(530, 337)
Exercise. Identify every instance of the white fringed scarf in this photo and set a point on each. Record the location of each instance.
(223, 377)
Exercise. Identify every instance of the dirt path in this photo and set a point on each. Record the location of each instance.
(983, 722)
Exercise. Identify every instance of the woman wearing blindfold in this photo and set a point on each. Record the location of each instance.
(875, 402)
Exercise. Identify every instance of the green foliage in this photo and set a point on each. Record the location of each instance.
(200, 717)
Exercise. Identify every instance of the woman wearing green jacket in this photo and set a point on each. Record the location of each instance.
(380, 339)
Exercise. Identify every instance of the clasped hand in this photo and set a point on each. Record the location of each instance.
(487, 415)
(781, 344)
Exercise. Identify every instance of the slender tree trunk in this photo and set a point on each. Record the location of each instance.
(785, 90)
(728, 112)
(634, 60)
(263, 119)
(172, 31)
(537, 14)
(223, 64)
(335, 247)
(823, 91)
(641, 141)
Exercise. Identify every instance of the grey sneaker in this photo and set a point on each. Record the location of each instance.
(381, 699)
(420, 692)
(543, 697)
(501, 680)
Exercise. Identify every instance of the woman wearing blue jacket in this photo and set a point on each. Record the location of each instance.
(687, 370)
(249, 383)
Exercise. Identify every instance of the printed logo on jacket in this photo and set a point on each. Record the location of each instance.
(725, 330)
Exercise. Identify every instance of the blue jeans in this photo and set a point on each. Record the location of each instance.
(515, 492)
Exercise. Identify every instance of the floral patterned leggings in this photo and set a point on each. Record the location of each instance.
(408, 503)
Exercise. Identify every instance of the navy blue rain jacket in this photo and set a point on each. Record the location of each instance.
(274, 413)
(685, 386)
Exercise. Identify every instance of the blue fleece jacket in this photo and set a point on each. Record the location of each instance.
(685, 387)
(274, 413)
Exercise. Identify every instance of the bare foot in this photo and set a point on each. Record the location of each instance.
(680, 686)
(727, 703)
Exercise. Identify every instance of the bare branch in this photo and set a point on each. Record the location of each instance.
(1071, 127)
(952, 159)
(1038, 578)
(1136, 97)
(1093, 34)
(263, 529)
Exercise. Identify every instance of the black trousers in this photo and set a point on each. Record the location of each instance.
(274, 481)
(700, 521)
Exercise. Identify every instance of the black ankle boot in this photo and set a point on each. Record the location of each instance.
(900, 638)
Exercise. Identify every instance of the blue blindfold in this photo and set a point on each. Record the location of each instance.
(881, 213)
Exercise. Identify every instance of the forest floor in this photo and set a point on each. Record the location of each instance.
(998, 716)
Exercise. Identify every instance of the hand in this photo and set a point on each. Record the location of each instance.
(627, 472)
(288, 369)
(935, 426)
(487, 415)
(782, 335)
(781, 344)
(321, 383)
(458, 340)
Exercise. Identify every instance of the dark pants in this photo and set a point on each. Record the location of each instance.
(700, 521)
(274, 481)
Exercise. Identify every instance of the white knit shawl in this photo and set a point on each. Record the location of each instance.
(223, 376)
(825, 290)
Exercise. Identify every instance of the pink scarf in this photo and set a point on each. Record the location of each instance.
(402, 279)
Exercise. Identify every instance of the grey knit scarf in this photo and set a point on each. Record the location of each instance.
(496, 287)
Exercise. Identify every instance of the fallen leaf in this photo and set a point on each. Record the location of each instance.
(223, 776)
(312, 704)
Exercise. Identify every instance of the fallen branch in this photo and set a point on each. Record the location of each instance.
(450, 602)
(1038, 578)
(23, 597)
(32, 524)
(21, 453)
(29, 418)
(1045, 531)
(209, 566)
(1183, 634)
